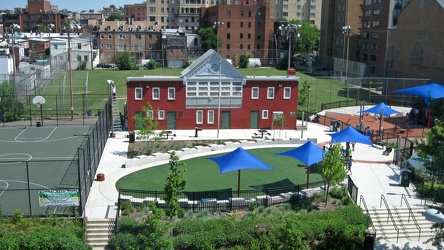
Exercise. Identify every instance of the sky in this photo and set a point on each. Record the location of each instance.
(72, 5)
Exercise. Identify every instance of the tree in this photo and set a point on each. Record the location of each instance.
(431, 151)
(331, 168)
(146, 126)
(124, 62)
(175, 183)
(209, 38)
(115, 16)
(308, 37)
(112, 7)
(10, 107)
(279, 121)
(243, 60)
(303, 95)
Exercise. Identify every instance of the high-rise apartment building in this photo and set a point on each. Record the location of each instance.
(301, 10)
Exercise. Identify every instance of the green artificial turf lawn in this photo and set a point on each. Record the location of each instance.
(203, 174)
(323, 90)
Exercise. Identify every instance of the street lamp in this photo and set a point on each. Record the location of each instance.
(289, 29)
(346, 30)
(69, 28)
(13, 28)
(217, 25)
(50, 27)
(308, 103)
(218, 98)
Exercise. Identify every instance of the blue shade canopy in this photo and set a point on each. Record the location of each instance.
(432, 90)
(378, 109)
(239, 159)
(309, 153)
(350, 135)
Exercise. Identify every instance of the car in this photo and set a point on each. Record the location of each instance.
(105, 66)
(322, 68)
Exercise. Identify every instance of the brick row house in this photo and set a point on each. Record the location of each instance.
(192, 100)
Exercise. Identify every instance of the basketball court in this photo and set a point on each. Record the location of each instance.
(34, 159)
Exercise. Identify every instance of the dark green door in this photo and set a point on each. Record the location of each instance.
(171, 120)
(254, 119)
(225, 119)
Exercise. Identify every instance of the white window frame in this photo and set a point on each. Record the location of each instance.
(253, 96)
(155, 91)
(265, 114)
(287, 92)
(161, 114)
(199, 116)
(210, 117)
(150, 113)
(270, 93)
(172, 93)
(138, 94)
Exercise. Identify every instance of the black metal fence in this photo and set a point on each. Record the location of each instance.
(218, 200)
(57, 110)
(74, 174)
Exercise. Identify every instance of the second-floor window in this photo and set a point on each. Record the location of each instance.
(270, 93)
(171, 93)
(156, 94)
(255, 93)
(287, 93)
(138, 94)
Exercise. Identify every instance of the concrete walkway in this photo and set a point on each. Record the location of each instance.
(372, 172)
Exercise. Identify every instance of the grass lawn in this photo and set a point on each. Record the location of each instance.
(204, 175)
(323, 90)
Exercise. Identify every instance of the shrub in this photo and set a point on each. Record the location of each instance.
(151, 64)
(338, 193)
(124, 241)
(127, 207)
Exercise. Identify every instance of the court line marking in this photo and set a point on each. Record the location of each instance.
(7, 183)
(44, 139)
(20, 159)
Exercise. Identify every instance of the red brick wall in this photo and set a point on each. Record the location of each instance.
(239, 117)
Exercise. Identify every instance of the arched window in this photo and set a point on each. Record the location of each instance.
(417, 54)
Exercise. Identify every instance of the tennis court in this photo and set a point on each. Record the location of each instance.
(34, 159)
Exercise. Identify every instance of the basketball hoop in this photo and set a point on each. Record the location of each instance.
(38, 100)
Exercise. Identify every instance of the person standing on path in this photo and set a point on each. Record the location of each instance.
(349, 164)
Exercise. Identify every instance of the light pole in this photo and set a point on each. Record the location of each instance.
(346, 30)
(217, 25)
(218, 98)
(308, 103)
(50, 29)
(289, 29)
(69, 28)
(13, 28)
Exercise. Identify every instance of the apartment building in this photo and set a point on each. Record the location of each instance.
(91, 16)
(245, 27)
(301, 10)
(38, 12)
(415, 47)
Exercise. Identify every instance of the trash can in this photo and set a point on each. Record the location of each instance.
(369, 241)
(132, 136)
(334, 126)
(38, 124)
(89, 112)
(405, 177)
(100, 177)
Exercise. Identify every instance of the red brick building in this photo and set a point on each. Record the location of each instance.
(194, 99)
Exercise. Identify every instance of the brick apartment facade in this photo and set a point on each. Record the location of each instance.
(38, 12)
(192, 100)
(247, 28)
(416, 47)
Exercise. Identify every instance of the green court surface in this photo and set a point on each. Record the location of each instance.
(37, 158)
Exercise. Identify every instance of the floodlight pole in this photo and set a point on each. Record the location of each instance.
(346, 31)
(70, 74)
(218, 98)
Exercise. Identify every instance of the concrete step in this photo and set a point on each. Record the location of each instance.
(98, 232)
(404, 221)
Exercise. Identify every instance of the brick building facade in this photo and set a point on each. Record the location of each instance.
(193, 100)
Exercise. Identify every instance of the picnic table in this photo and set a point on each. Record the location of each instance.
(166, 134)
(261, 133)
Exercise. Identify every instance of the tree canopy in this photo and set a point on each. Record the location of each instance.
(209, 38)
(115, 16)
(124, 62)
(308, 37)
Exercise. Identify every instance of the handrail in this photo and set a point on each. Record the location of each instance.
(403, 197)
(361, 199)
(389, 215)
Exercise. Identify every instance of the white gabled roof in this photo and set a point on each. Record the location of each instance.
(207, 67)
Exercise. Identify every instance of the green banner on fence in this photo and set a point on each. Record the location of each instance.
(64, 198)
